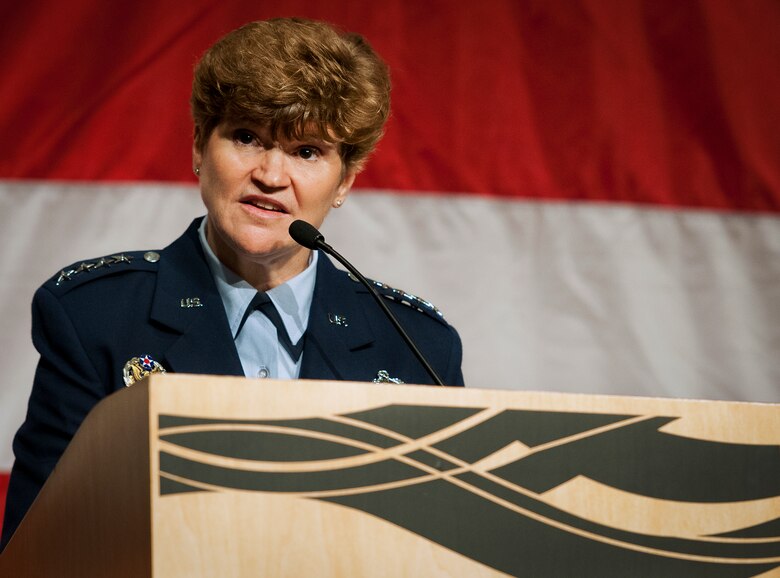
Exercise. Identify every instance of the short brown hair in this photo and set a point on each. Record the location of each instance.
(295, 76)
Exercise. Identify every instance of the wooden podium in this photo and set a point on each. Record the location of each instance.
(194, 476)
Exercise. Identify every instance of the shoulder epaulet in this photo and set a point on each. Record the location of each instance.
(84, 271)
(404, 298)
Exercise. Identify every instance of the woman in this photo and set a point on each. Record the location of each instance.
(286, 113)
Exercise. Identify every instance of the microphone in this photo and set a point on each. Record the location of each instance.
(308, 236)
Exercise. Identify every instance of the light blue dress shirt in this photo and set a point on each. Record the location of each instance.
(258, 347)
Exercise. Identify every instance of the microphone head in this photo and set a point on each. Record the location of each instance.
(305, 234)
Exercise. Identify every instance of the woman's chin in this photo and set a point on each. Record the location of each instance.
(270, 250)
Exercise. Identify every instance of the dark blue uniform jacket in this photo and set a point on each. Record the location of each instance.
(92, 318)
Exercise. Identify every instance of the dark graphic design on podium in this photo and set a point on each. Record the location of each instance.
(494, 489)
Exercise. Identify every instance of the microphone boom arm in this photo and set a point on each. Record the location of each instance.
(309, 237)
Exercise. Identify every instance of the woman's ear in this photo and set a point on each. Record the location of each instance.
(197, 157)
(344, 188)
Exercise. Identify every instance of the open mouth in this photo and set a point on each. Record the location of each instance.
(264, 205)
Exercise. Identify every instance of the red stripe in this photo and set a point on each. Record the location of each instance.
(4, 478)
(670, 103)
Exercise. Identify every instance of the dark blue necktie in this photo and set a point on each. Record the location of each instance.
(262, 302)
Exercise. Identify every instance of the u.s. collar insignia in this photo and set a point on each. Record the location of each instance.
(338, 319)
(384, 377)
(190, 302)
(139, 367)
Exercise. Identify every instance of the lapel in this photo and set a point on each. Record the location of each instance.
(329, 346)
(205, 344)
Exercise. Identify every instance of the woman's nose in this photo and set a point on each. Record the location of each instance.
(271, 169)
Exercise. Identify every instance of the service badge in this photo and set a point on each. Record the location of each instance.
(139, 367)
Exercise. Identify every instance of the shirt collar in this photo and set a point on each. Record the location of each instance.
(292, 298)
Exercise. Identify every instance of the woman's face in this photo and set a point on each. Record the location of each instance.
(254, 187)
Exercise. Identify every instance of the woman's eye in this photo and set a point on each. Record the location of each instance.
(307, 153)
(243, 137)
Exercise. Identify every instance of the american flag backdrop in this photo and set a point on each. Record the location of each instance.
(588, 189)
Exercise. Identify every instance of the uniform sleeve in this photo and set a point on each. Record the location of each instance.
(454, 374)
(65, 389)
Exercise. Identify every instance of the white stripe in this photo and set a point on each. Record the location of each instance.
(585, 297)
(546, 296)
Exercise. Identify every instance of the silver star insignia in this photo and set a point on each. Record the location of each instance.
(65, 275)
